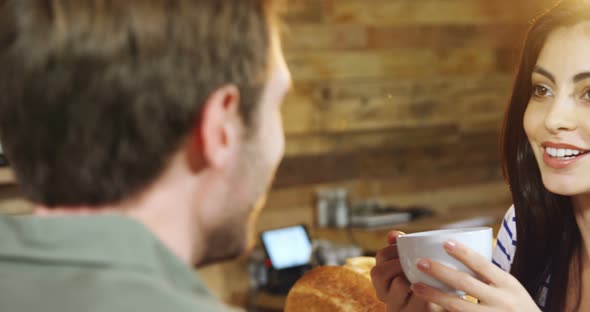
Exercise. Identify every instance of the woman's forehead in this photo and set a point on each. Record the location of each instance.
(566, 51)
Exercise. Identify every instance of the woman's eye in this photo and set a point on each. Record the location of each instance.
(541, 91)
(586, 95)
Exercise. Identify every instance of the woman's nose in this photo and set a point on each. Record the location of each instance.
(562, 115)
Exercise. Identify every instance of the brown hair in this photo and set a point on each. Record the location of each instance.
(96, 95)
(548, 238)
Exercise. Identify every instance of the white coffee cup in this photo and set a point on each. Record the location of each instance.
(430, 245)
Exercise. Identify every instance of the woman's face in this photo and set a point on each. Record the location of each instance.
(557, 119)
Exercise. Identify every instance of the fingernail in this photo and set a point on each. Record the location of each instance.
(424, 264)
(419, 288)
(450, 245)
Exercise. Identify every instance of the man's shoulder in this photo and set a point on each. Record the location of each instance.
(93, 264)
(98, 290)
(137, 292)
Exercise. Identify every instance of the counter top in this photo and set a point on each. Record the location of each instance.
(372, 240)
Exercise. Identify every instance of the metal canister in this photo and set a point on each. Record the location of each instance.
(340, 208)
(323, 205)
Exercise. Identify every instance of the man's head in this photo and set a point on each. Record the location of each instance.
(99, 99)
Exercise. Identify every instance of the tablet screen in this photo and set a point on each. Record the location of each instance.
(287, 247)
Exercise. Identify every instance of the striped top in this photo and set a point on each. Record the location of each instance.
(506, 247)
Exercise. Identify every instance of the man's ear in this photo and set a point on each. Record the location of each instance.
(216, 134)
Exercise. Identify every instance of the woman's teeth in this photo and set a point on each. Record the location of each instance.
(563, 153)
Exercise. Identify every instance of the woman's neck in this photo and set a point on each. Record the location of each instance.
(581, 205)
(580, 263)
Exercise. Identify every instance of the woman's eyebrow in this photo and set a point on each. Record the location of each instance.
(541, 71)
(581, 76)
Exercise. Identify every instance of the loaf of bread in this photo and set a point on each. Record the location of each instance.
(336, 289)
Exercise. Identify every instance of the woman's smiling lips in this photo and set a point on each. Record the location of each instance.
(561, 155)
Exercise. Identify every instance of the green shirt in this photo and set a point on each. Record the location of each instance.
(90, 264)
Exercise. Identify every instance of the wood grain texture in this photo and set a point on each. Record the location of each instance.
(432, 12)
(338, 37)
(384, 138)
(465, 151)
(352, 105)
(6, 176)
(389, 63)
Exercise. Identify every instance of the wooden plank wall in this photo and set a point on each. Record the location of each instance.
(397, 100)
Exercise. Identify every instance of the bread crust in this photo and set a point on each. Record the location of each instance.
(334, 289)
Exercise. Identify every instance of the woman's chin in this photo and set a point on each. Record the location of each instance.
(565, 186)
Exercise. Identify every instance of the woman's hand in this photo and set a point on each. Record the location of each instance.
(391, 284)
(500, 291)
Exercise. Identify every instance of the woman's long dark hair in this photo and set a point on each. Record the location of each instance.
(548, 237)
